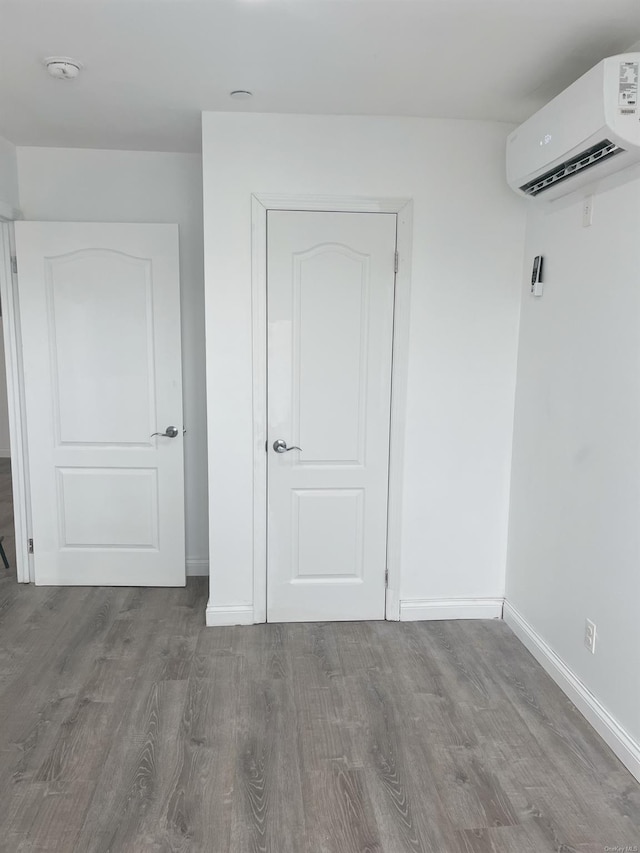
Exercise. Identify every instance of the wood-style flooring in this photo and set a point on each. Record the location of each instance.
(126, 725)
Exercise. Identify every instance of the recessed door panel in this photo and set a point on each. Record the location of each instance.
(108, 507)
(317, 557)
(330, 288)
(101, 335)
(330, 349)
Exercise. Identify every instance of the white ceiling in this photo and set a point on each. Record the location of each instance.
(151, 66)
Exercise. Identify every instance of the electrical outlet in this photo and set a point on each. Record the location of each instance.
(590, 636)
(587, 212)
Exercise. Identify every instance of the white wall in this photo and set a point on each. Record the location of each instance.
(8, 174)
(9, 202)
(574, 543)
(134, 186)
(5, 442)
(467, 257)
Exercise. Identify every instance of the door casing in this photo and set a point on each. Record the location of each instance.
(260, 205)
(15, 397)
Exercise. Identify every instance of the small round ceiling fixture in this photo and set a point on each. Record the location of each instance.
(241, 95)
(62, 67)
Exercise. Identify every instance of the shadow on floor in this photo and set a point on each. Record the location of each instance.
(7, 528)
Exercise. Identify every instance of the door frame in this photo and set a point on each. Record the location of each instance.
(15, 397)
(261, 204)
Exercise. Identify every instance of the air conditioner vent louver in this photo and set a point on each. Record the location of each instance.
(585, 160)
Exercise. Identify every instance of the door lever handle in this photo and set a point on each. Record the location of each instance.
(170, 432)
(280, 446)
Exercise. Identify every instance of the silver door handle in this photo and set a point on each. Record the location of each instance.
(170, 432)
(280, 446)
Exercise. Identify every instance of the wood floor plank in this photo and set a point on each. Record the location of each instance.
(339, 815)
(506, 839)
(268, 808)
(77, 752)
(49, 818)
(400, 782)
(130, 783)
(473, 796)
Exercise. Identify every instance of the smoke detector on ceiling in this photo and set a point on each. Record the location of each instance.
(62, 67)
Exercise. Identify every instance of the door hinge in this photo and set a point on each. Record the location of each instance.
(31, 546)
(396, 262)
(386, 577)
(14, 265)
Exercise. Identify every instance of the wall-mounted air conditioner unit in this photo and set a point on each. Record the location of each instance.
(590, 130)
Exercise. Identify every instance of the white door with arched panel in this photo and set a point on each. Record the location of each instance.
(99, 309)
(330, 299)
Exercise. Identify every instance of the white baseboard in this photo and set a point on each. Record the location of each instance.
(5, 454)
(624, 746)
(414, 609)
(229, 614)
(197, 567)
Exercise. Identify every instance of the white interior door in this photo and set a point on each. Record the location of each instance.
(100, 325)
(330, 295)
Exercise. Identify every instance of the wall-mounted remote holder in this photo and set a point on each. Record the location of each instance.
(536, 276)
